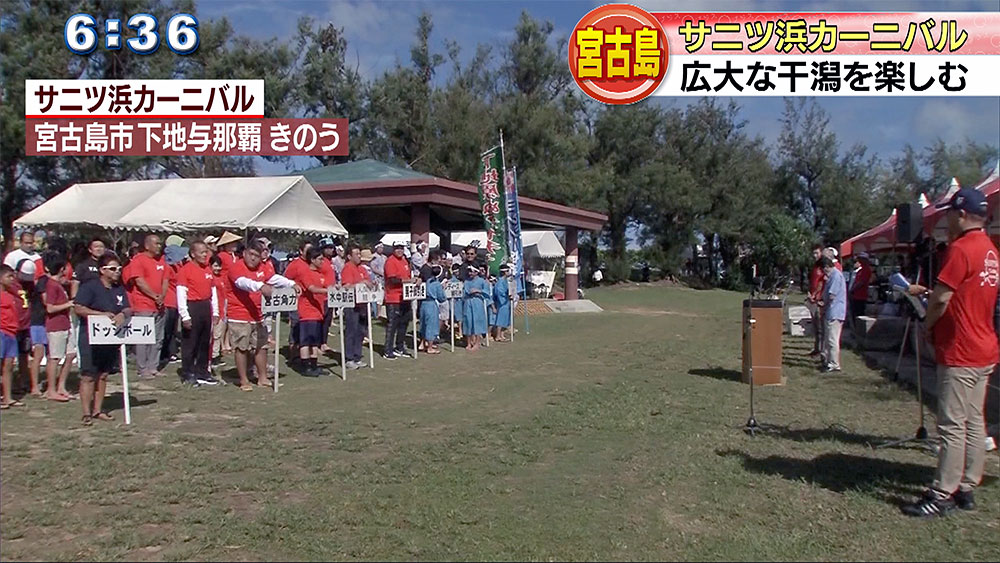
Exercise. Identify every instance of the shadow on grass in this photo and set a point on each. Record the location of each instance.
(717, 373)
(836, 433)
(116, 402)
(890, 481)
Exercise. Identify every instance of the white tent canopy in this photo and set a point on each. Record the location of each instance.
(275, 203)
(390, 239)
(544, 244)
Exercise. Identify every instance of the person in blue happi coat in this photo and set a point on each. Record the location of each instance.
(430, 324)
(501, 304)
(458, 302)
(491, 312)
(474, 317)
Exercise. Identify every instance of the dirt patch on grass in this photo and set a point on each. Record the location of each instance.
(658, 313)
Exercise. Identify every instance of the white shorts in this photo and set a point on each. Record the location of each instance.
(61, 344)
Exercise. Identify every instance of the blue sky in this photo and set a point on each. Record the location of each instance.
(380, 34)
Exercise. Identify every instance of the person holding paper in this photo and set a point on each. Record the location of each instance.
(249, 336)
(430, 324)
(198, 308)
(355, 318)
(474, 317)
(104, 296)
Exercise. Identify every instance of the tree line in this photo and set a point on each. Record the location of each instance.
(670, 177)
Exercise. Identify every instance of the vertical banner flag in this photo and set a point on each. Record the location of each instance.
(491, 198)
(514, 245)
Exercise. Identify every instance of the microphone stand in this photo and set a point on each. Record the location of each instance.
(751, 427)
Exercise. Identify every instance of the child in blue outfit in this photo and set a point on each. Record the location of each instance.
(501, 304)
(430, 324)
(474, 317)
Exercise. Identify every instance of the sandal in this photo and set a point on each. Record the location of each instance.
(58, 399)
(246, 387)
(4, 406)
(103, 416)
(15, 404)
(267, 384)
(87, 420)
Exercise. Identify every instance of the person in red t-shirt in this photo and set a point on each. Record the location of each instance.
(312, 306)
(355, 318)
(858, 292)
(171, 316)
(197, 308)
(959, 324)
(248, 334)
(219, 332)
(332, 274)
(8, 335)
(816, 284)
(148, 278)
(397, 272)
(296, 267)
(58, 327)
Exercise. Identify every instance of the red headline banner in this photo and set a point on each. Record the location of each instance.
(174, 137)
(840, 33)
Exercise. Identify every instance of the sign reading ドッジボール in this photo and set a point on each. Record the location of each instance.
(453, 289)
(282, 300)
(139, 330)
(340, 297)
(414, 291)
(364, 294)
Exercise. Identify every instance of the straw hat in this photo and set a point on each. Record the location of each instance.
(228, 238)
(366, 255)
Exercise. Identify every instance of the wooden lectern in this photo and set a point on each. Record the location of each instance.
(765, 342)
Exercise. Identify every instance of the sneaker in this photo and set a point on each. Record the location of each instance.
(190, 380)
(206, 380)
(929, 506)
(403, 353)
(218, 363)
(354, 365)
(964, 500)
(173, 360)
(389, 356)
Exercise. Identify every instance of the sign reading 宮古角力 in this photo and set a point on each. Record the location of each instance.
(282, 300)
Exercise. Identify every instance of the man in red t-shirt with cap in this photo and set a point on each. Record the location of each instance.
(959, 324)
(197, 307)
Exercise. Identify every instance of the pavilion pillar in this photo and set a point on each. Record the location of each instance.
(420, 223)
(572, 263)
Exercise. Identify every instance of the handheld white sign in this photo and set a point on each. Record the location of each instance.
(282, 300)
(139, 330)
(454, 289)
(339, 298)
(414, 291)
(364, 294)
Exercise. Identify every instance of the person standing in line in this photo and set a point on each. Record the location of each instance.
(61, 348)
(332, 267)
(397, 272)
(198, 308)
(148, 280)
(430, 323)
(106, 297)
(355, 318)
(502, 304)
(174, 259)
(219, 333)
(474, 316)
(817, 279)
(834, 313)
(9, 306)
(311, 307)
(295, 269)
(860, 282)
(378, 271)
(249, 337)
(960, 325)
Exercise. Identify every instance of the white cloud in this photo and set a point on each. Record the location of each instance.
(951, 120)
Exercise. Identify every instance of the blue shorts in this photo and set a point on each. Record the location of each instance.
(311, 333)
(38, 336)
(8, 346)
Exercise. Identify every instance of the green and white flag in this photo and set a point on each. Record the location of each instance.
(493, 202)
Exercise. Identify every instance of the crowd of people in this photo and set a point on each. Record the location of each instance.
(206, 306)
(957, 283)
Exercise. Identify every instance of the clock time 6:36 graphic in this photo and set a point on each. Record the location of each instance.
(181, 32)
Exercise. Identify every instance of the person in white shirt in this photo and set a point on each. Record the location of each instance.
(25, 251)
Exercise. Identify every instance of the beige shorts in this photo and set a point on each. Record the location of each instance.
(248, 337)
(61, 344)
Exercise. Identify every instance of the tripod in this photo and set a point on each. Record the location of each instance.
(913, 319)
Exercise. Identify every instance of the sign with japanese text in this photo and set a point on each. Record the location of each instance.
(453, 289)
(282, 300)
(340, 297)
(414, 291)
(143, 98)
(515, 247)
(363, 294)
(786, 54)
(139, 330)
(492, 200)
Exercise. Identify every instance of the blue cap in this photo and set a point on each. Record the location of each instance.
(326, 242)
(968, 200)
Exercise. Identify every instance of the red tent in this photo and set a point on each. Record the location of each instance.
(877, 239)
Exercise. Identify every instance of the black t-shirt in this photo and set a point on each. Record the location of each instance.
(86, 270)
(34, 293)
(96, 296)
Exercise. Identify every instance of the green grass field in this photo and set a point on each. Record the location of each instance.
(598, 436)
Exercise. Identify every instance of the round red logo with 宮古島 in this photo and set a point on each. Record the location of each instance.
(618, 54)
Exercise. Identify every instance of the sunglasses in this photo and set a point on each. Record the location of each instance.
(112, 268)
